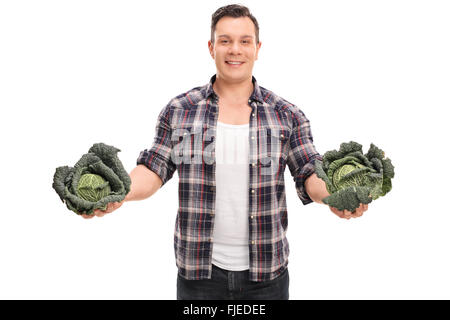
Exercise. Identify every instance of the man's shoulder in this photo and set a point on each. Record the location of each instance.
(189, 98)
(277, 102)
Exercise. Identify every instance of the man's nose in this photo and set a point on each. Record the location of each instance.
(235, 48)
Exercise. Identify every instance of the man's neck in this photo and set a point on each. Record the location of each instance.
(236, 93)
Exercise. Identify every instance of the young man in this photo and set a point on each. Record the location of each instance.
(230, 142)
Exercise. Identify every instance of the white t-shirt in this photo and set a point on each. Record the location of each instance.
(230, 235)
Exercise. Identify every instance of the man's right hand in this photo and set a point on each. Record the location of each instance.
(100, 213)
(144, 183)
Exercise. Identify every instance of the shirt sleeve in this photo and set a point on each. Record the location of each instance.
(158, 157)
(302, 153)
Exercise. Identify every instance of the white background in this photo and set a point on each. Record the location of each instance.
(73, 73)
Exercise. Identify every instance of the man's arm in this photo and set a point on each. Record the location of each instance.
(154, 166)
(144, 183)
(317, 190)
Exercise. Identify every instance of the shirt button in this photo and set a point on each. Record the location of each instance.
(253, 114)
(251, 217)
(253, 138)
(249, 100)
(254, 164)
(252, 191)
(282, 135)
(253, 241)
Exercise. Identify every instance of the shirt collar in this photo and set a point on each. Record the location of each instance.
(256, 94)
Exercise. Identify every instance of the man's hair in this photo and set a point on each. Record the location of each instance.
(235, 11)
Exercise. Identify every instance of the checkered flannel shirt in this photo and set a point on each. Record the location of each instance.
(279, 135)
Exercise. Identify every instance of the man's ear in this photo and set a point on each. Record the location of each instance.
(258, 46)
(211, 48)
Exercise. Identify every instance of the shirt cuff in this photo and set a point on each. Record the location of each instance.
(153, 161)
(307, 170)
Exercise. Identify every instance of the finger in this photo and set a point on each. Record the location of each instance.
(87, 216)
(358, 213)
(110, 207)
(346, 214)
(117, 205)
(337, 212)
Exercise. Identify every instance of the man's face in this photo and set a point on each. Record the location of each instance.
(235, 49)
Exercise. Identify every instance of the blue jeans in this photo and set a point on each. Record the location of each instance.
(233, 285)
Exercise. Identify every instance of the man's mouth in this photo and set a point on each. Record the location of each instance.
(234, 63)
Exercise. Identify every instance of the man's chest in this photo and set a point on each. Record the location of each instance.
(234, 114)
(194, 134)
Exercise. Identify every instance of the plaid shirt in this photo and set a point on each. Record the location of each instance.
(279, 135)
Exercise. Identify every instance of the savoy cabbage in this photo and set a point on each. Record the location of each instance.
(97, 179)
(352, 177)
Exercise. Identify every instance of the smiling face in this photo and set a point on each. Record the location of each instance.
(234, 50)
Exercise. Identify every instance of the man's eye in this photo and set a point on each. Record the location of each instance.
(223, 41)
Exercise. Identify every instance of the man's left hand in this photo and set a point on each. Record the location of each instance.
(345, 214)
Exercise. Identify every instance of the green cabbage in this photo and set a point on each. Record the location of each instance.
(352, 178)
(97, 179)
(93, 187)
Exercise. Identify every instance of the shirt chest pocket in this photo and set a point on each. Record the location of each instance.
(273, 145)
(191, 144)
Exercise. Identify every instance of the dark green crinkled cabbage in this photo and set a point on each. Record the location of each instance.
(101, 160)
(352, 177)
